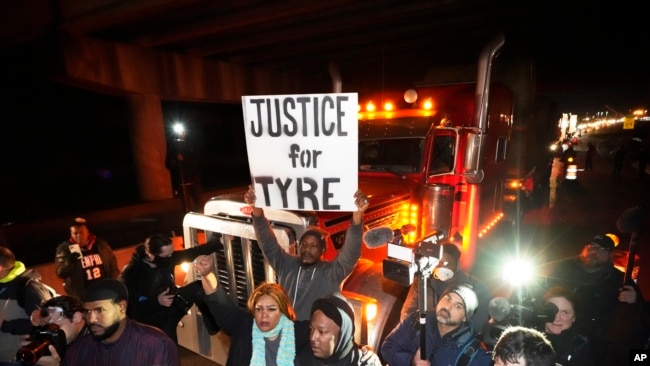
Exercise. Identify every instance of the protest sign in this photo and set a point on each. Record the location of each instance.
(302, 150)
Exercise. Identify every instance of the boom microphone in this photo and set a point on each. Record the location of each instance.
(632, 220)
(499, 309)
(377, 237)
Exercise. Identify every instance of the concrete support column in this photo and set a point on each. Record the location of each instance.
(149, 147)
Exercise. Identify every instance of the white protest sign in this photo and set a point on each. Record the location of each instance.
(302, 150)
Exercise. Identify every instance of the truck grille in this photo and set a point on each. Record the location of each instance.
(235, 273)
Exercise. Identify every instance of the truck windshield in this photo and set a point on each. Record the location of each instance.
(397, 155)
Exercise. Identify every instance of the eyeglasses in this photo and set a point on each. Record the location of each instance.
(54, 314)
(595, 248)
(55, 318)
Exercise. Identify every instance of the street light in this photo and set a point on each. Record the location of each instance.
(179, 131)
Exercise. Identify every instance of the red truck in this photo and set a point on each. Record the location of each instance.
(439, 165)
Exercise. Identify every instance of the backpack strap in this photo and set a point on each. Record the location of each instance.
(468, 352)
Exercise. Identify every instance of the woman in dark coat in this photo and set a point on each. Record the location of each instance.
(570, 344)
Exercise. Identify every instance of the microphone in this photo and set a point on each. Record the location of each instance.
(499, 309)
(435, 236)
(632, 220)
(377, 237)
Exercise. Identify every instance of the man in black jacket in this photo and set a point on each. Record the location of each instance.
(154, 298)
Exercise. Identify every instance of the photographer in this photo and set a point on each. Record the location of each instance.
(149, 276)
(570, 345)
(609, 308)
(67, 313)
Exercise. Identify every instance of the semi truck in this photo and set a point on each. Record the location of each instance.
(436, 162)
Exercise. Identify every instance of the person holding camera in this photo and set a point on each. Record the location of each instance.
(450, 339)
(571, 346)
(610, 310)
(306, 276)
(83, 258)
(21, 292)
(63, 313)
(149, 276)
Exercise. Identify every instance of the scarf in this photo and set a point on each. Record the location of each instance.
(287, 349)
(18, 269)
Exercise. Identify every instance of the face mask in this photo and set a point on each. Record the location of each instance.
(443, 274)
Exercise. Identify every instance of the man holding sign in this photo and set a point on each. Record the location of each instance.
(302, 153)
(307, 277)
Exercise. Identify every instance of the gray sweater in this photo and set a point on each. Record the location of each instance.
(318, 280)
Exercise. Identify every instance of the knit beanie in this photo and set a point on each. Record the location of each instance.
(467, 294)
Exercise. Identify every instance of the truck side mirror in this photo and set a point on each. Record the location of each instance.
(473, 164)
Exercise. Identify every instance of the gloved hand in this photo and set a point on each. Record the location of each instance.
(74, 256)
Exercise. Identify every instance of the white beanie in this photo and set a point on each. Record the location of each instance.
(467, 294)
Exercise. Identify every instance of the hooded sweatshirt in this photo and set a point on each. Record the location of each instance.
(306, 284)
(25, 283)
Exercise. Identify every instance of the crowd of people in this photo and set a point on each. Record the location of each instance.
(129, 317)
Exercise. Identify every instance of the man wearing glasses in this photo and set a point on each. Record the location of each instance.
(598, 285)
(65, 311)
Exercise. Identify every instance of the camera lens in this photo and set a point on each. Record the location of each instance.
(29, 354)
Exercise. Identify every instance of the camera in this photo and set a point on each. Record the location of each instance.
(403, 263)
(180, 302)
(504, 314)
(40, 339)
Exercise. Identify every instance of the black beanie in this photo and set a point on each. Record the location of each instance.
(106, 289)
(330, 306)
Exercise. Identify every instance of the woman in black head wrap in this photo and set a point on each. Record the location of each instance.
(332, 334)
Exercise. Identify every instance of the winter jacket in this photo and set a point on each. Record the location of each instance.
(238, 325)
(21, 292)
(145, 282)
(572, 348)
(402, 343)
(98, 261)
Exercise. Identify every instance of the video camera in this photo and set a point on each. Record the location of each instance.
(41, 338)
(403, 263)
(503, 314)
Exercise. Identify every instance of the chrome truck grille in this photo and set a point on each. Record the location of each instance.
(240, 265)
(236, 272)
